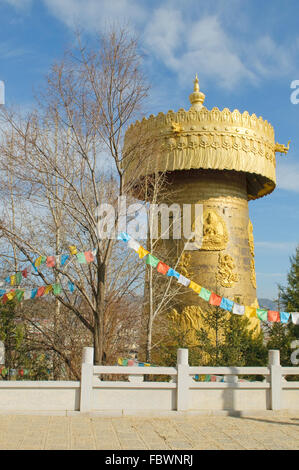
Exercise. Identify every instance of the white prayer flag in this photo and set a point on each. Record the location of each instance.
(133, 244)
(295, 318)
(183, 280)
(238, 309)
(27, 295)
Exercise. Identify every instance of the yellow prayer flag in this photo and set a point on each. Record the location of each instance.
(120, 361)
(73, 250)
(10, 295)
(142, 252)
(13, 279)
(38, 261)
(195, 287)
(250, 312)
(48, 289)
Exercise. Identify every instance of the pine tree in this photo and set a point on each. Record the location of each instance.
(280, 335)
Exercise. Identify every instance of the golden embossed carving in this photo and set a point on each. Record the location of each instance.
(184, 264)
(225, 275)
(282, 148)
(188, 321)
(215, 235)
(176, 127)
(250, 237)
(252, 272)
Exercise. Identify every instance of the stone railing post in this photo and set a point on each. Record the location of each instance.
(86, 380)
(183, 380)
(275, 378)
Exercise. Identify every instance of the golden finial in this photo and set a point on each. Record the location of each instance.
(196, 83)
(197, 97)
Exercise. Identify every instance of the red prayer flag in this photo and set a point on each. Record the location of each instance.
(273, 315)
(50, 261)
(25, 273)
(89, 256)
(4, 298)
(162, 268)
(40, 291)
(215, 299)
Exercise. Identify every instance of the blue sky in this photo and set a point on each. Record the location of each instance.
(244, 51)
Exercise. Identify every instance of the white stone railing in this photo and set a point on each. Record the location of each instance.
(179, 393)
(182, 393)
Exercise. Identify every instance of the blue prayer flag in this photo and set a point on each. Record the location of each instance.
(173, 273)
(226, 304)
(123, 236)
(71, 286)
(33, 293)
(284, 317)
(64, 258)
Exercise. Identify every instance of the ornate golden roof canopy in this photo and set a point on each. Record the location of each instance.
(208, 139)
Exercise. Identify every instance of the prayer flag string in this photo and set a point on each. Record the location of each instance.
(211, 297)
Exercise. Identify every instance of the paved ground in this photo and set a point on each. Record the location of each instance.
(192, 432)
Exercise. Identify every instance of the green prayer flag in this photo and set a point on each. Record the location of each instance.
(81, 258)
(262, 314)
(205, 294)
(19, 295)
(152, 260)
(57, 289)
(19, 278)
(43, 259)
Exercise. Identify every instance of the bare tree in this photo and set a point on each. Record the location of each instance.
(68, 158)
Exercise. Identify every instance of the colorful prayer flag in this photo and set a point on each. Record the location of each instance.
(38, 261)
(71, 286)
(162, 268)
(171, 272)
(123, 236)
(40, 291)
(73, 250)
(64, 258)
(151, 260)
(48, 289)
(81, 258)
(25, 273)
(273, 315)
(56, 289)
(19, 295)
(51, 261)
(195, 287)
(205, 294)
(88, 256)
(183, 280)
(262, 314)
(133, 244)
(284, 317)
(238, 309)
(215, 299)
(226, 304)
(142, 252)
(33, 293)
(250, 312)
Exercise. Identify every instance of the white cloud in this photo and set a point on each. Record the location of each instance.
(93, 15)
(19, 4)
(277, 246)
(199, 38)
(288, 176)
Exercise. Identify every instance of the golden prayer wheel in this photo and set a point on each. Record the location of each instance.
(220, 159)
